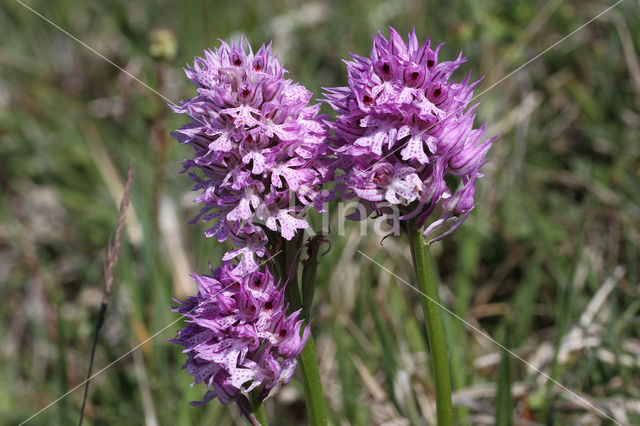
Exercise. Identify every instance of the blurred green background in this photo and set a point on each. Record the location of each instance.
(547, 264)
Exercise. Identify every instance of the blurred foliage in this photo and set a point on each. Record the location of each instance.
(557, 218)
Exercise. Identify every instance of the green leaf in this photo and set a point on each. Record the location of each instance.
(504, 398)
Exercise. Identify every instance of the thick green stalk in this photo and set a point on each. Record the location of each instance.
(261, 415)
(308, 363)
(316, 410)
(433, 324)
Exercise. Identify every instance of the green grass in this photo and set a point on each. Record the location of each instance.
(558, 211)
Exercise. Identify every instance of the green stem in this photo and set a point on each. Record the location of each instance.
(316, 411)
(261, 415)
(433, 324)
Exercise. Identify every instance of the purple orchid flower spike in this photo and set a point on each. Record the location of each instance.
(256, 141)
(401, 127)
(239, 337)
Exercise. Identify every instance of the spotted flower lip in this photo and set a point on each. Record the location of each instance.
(402, 125)
(255, 140)
(239, 337)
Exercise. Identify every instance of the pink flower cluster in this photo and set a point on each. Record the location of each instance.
(402, 128)
(259, 148)
(239, 337)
